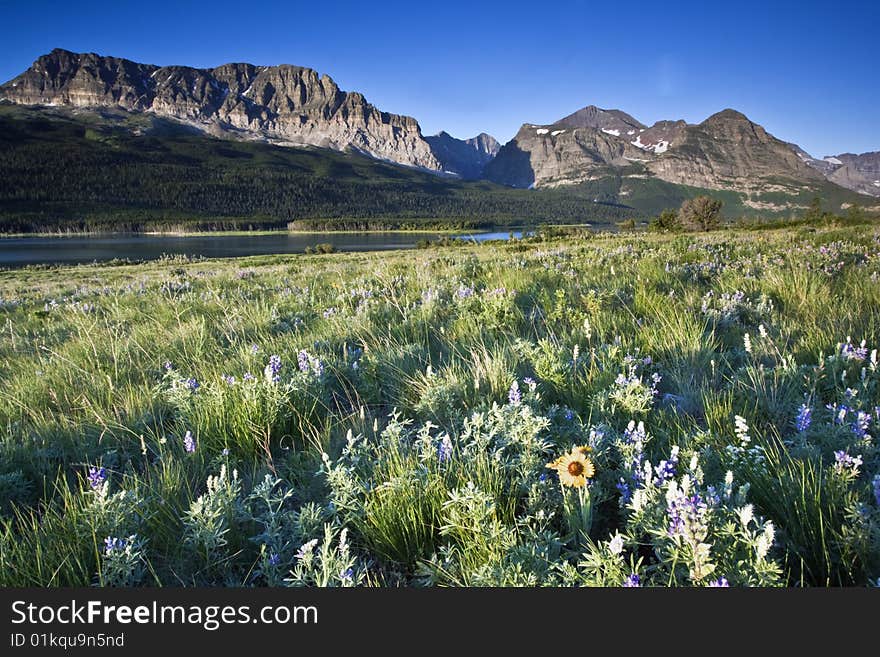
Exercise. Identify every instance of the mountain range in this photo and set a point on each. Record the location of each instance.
(604, 153)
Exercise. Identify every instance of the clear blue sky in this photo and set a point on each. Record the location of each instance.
(807, 70)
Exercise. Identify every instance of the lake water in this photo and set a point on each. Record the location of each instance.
(21, 251)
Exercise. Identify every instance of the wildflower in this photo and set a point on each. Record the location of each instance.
(849, 352)
(464, 291)
(248, 376)
(255, 348)
(665, 470)
(112, 545)
(742, 430)
(804, 418)
(274, 559)
(229, 379)
(189, 443)
(225, 451)
(346, 574)
(574, 468)
(306, 549)
(632, 581)
(514, 395)
(861, 424)
(96, 478)
(687, 516)
(615, 545)
(329, 313)
(168, 366)
(747, 343)
(303, 361)
(273, 369)
(444, 449)
(720, 583)
(625, 492)
(192, 384)
(876, 484)
(530, 382)
(843, 461)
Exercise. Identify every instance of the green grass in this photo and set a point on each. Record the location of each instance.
(391, 448)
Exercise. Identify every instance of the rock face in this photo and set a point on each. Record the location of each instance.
(727, 151)
(860, 173)
(466, 158)
(289, 105)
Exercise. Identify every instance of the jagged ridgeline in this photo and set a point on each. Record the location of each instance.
(88, 141)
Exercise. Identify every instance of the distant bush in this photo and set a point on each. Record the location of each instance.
(666, 220)
(700, 213)
(324, 247)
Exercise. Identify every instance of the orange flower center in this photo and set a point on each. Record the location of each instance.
(575, 468)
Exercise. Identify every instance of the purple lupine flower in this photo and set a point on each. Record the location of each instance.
(273, 369)
(112, 545)
(303, 361)
(189, 443)
(569, 414)
(850, 352)
(347, 574)
(444, 449)
(168, 366)
(686, 515)
(844, 461)
(665, 470)
(632, 581)
(804, 418)
(713, 499)
(514, 395)
(192, 384)
(255, 348)
(464, 291)
(97, 477)
(248, 376)
(720, 583)
(274, 559)
(625, 492)
(861, 424)
(876, 484)
(229, 379)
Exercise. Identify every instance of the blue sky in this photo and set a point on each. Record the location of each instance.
(807, 71)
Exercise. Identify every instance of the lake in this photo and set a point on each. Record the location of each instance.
(22, 251)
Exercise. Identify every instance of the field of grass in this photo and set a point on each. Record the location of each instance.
(691, 410)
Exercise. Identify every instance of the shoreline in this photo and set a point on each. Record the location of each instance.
(259, 233)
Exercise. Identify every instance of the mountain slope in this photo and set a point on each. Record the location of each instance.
(726, 152)
(464, 157)
(289, 105)
(63, 168)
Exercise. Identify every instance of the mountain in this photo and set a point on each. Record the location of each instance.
(65, 168)
(611, 121)
(286, 105)
(726, 152)
(860, 173)
(466, 158)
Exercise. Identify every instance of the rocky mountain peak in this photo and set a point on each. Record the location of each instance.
(609, 120)
(466, 158)
(284, 104)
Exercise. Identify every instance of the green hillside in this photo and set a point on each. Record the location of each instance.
(84, 170)
(124, 171)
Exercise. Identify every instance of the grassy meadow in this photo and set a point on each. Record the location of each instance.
(630, 410)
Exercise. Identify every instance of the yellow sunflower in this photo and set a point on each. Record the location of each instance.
(574, 468)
